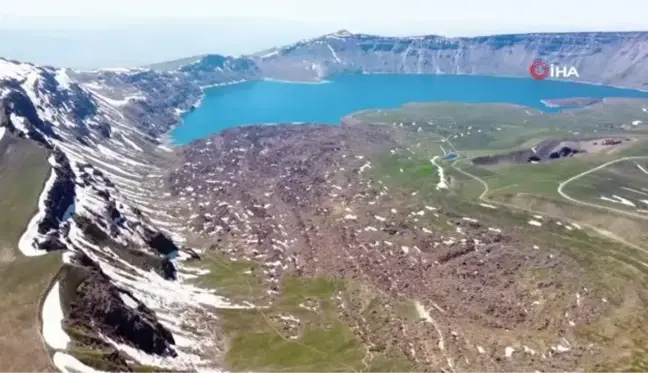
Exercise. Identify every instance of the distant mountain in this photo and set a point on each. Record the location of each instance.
(614, 58)
(611, 58)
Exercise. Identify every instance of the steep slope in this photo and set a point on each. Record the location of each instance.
(118, 290)
(614, 58)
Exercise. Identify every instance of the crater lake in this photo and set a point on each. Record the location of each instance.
(266, 101)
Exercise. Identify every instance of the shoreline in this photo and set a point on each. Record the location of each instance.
(233, 82)
(273, 80)
(643, 90)
(166, 139)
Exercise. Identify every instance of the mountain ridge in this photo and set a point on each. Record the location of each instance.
(610, 58)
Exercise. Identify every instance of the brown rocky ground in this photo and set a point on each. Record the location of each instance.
(312, 201)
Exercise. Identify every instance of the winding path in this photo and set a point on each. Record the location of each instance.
(574, 200)
(483, 197)
(598, 230)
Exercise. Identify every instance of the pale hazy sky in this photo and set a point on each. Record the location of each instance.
(98, 33)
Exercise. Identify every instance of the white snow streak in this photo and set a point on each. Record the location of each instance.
(14, 70)
(19, 123)
(617, 199)
(442, 182)
(26, 241)
(130, 302)
(333, 53)
(53, 316)
(642, 168)
(63, 79)
(183, 361)
(270, 54)
(112, 102)
(68, 364)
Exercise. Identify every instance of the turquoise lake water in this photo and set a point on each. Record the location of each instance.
(259, 102)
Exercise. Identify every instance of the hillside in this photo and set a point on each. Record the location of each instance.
(320, 241)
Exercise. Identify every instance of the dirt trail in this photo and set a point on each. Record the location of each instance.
(425, 315)
(569, 198)
(600, 231)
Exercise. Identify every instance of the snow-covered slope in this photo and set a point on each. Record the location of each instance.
(98, 207)
(614, 58)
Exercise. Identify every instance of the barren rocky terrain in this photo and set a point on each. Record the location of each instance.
(313, 201)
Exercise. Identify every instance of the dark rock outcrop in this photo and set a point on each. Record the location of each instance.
(159, 242)
(99, 306)
(60, 196)
(91, 230)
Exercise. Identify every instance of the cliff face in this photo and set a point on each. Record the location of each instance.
(619, 58)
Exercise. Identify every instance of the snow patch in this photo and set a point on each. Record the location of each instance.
(14, 70)
(63, 79)
(422, 312)
(128, 300)
(337, 59)
(118, 69)
(618, 199)
(68, 363)
(52, 315)
(28, 240)
(19, 123)
(642, 168)
(442, 182)
(184, 361)
(270, 54)
(560, 348)
(535, 223)
(114, 102)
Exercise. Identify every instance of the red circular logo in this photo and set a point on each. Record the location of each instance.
(539, 69)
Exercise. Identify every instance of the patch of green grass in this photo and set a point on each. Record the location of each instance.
(334, 349)
(296, 290)
(322, 342)
(623, 179)
(541, 178)
(237, 280)
(417, 173)
(23, 172)
(100, 360)
(382, 364)
(96, 360)
(476, 129)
